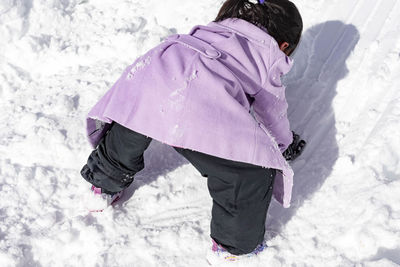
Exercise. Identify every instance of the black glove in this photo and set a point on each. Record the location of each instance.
(295, 148)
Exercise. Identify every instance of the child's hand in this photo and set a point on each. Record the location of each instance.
(295, 148)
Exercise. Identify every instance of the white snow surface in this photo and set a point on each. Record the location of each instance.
(58, 57)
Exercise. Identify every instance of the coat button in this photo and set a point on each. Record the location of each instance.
(173, 37)
(212, 53)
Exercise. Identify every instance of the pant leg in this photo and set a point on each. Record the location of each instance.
(117, 158)
(241, 194)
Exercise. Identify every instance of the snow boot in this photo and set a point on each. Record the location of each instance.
(100, 201)
(219, 255)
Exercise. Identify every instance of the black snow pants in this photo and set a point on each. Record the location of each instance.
(241, 192)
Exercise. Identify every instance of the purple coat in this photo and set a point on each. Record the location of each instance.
(216, 90)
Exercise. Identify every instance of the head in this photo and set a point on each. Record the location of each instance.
(281, 18)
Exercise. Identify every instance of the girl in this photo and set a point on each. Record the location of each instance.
(216, 96)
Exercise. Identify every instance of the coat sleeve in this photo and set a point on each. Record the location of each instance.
(270, 105)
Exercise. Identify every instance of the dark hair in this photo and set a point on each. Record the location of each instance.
(281, 18)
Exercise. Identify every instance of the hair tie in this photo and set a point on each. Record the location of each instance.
(257, 2)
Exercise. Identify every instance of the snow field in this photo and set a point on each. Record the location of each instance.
(58, 57)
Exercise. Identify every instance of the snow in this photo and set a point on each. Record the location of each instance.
(58, 57)
(140, 65)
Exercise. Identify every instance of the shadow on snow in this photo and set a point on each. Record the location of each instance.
(320, 63)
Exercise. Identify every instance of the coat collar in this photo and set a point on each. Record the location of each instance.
(255, 34)
(246, 29)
